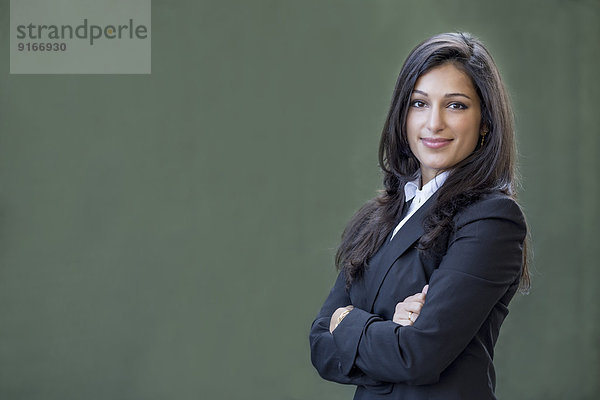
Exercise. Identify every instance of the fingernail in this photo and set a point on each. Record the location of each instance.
(425, 289)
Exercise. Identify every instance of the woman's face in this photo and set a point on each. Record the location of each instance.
(444, 119)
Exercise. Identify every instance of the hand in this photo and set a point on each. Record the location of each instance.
(408, 310)
(333, 323)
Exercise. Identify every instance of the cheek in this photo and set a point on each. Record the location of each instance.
(470, 133)
(468, 146)
(412, 132)
(412, 142)
(471, 141)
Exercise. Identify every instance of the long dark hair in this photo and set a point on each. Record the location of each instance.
(490, 167)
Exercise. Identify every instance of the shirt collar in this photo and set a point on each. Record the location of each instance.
(411, 189)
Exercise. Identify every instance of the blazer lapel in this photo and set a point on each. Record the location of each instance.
(410, 232)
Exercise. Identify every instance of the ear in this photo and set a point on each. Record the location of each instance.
(484, 129)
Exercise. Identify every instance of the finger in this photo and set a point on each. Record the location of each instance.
(420, 297)
(411, 316)
(403, 322)
(401, 307)
(406, 313)
(404, 307)
(412, 306)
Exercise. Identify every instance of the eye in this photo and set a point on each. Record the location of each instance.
(417, 104)
(457, 106)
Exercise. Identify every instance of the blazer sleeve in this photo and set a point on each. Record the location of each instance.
(483, 260)
(324, 354)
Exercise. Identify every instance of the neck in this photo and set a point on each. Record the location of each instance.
(428, 175)
(426, 178)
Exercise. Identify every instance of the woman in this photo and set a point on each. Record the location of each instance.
(429, 266)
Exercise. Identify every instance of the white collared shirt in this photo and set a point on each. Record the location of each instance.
(419, 197)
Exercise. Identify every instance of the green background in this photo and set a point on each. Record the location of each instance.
(171, 236)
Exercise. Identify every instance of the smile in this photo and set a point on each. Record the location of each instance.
(435, 143)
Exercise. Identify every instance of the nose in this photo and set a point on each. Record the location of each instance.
(435, 120)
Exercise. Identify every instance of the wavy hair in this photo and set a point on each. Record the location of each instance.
(490, 167)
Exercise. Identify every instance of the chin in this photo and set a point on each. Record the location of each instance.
(438, 166)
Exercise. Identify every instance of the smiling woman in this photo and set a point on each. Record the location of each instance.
(444, 119)
(429, 267)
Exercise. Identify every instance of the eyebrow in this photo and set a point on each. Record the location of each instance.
(446, 95)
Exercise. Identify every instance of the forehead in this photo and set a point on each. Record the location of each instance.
(444, 79)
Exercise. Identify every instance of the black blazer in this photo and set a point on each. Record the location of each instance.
(447, 354)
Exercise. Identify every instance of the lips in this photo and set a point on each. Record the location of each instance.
(435, 143)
